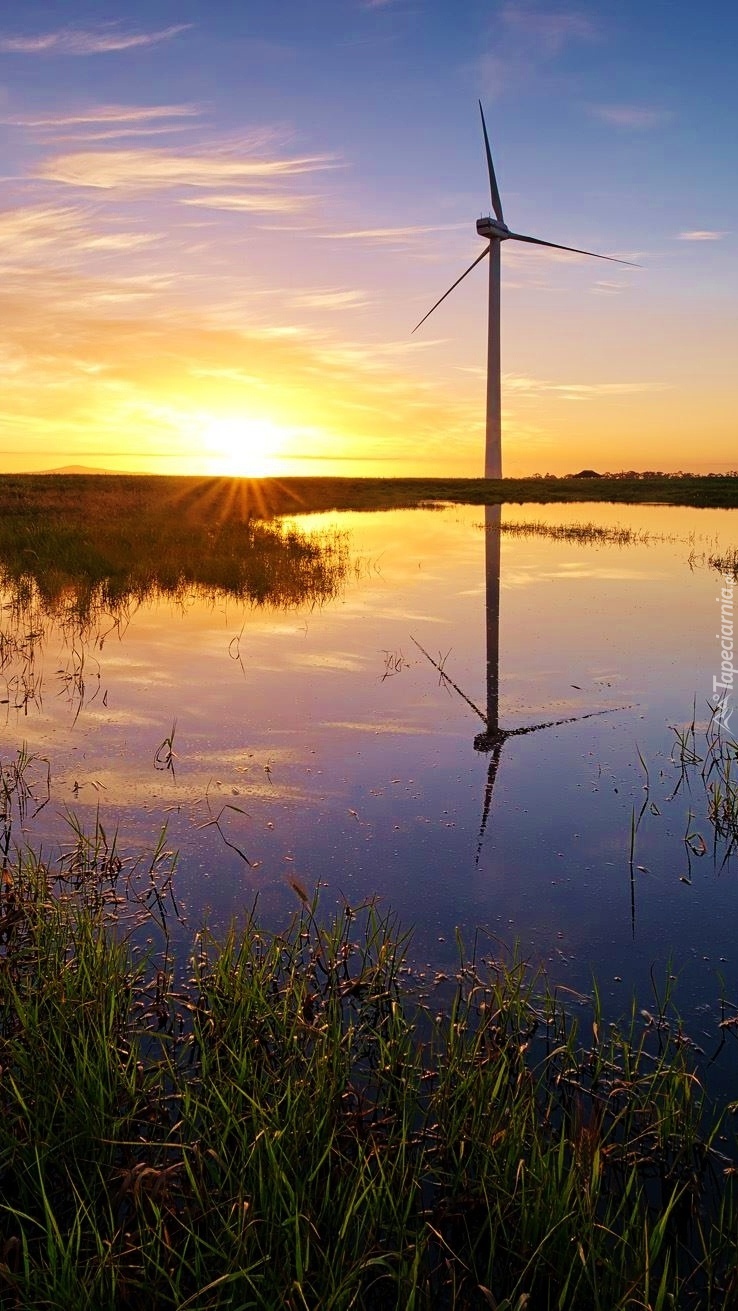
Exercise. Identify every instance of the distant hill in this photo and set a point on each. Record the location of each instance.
(76, 468)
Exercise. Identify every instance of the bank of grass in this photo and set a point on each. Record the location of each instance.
(102, 498)
(280, 1125)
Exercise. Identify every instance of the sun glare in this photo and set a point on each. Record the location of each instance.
(242, 447)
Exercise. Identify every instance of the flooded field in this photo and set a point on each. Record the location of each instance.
(369, 727)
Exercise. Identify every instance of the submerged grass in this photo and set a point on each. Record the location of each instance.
(710, 755)
(281, 1125)
(590, 534)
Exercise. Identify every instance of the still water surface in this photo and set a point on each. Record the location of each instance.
(333, 751)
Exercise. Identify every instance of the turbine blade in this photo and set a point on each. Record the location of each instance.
(536, 241)
(494, 764)
(493, 191)
(555, 723)
(451, 288)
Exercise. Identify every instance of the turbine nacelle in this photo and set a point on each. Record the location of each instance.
(489, 228)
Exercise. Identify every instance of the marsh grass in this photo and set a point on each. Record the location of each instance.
(726, 562)
(95, 497)
(76, 562)
(708, 756)
(589, 534)
(280, 1124)
(77, 547)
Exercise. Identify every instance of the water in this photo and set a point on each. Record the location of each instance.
(322, 743)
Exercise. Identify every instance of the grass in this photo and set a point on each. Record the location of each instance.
(725, 562)
(275, 1122)
(588, 534)
(94, 499)
(74, 546)
(710, 756)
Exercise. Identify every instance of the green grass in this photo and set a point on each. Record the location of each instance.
(96, 498)
(275, 1122)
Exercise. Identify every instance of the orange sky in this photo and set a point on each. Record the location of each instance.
(203, 271)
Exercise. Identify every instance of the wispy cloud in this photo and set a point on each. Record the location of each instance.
(31, 228)
(331, 300)
(107, 123)
(91, 41)
(525, 39)
(605, 288)
(382, 235)
(160, 169)
(119, 240)
(35, 232)
(701, 234)
(106, 114)
(548, 30)
(77, 138)
(360, 357)
(638, 117)
(252, 202)
(575, 391)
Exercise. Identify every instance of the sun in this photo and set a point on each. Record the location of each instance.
(242, 446)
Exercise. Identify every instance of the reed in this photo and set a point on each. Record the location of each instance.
(589, 534)
(276, 1122)
(726, 562)
(708, 758)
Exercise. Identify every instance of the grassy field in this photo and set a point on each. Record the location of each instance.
(90, 497)
(275, 1123)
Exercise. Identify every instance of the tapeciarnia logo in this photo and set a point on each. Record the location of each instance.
(722, 686)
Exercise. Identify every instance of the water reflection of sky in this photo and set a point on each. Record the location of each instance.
(330, 750)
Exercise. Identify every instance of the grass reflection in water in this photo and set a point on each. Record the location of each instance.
(78, 554)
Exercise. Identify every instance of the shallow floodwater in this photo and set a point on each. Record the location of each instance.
(330, 749)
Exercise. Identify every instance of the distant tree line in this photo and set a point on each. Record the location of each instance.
(634, 475)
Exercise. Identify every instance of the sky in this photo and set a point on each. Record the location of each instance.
(220, 223)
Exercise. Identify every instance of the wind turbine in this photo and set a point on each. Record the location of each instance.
(495, 231)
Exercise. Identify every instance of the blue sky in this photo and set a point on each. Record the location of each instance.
(220, 223)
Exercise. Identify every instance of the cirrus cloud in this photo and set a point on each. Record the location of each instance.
(380, 236)
(160, 169)
(251, 202)
(100, 114)
(638, 117)
(79, 41)
(701, 234)
(575, 391)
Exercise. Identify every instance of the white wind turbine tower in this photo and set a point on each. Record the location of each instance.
(495, 231)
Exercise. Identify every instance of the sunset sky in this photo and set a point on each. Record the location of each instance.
(220, 222)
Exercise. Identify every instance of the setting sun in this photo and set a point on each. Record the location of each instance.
(241, 446)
